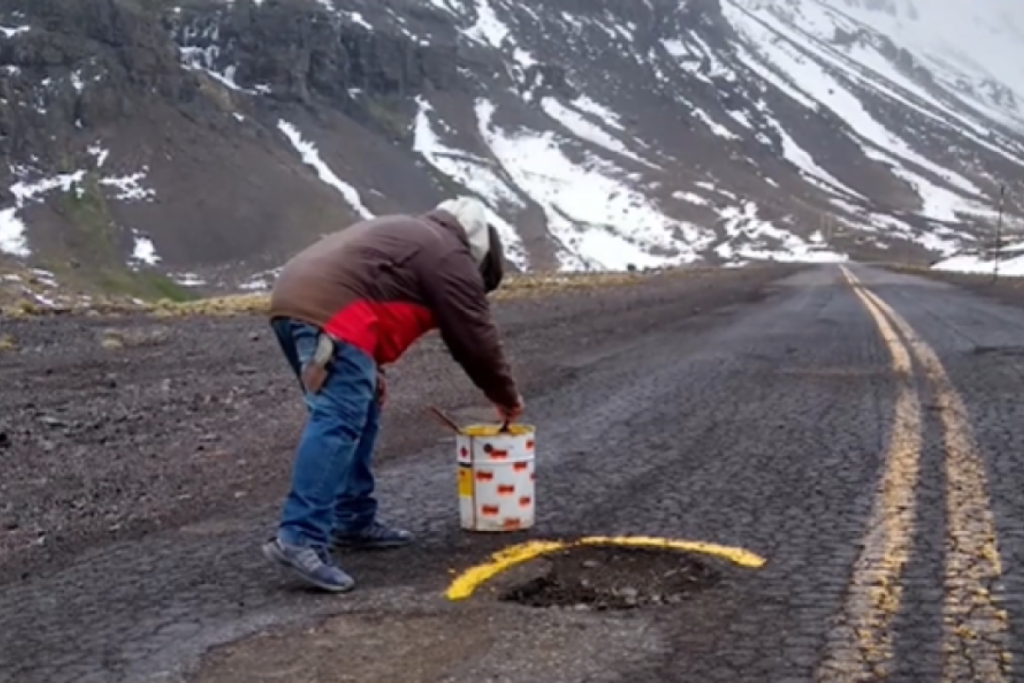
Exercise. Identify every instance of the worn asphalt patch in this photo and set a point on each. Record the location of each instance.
(613, 577)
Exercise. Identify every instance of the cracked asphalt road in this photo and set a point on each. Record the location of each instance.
(875, 465)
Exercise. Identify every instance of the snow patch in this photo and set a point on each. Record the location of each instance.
(13, 231)
(806, 163)
(99, 153)
(762, 241)
(356, 18)
(598, 111)
(260, 282)
(130, 188)
(1010, 262)
(487, 28)
(607, 224)
(476, 174)
(13, 240)
(586, 130)
(691, 198)
(144, 251)
(187, 279)
(311, 156)
(204, 58)
(793, 54)
(11, 31)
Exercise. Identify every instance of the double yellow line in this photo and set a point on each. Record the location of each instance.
(975, 628)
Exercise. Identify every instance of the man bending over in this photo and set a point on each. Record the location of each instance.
(343, 308)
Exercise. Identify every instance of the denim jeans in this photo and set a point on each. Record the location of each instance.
(332, 481)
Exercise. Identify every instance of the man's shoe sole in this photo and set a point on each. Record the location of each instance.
(272, 552)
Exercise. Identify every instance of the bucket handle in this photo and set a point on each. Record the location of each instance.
(446, 421)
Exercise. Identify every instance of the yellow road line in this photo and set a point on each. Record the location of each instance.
(468, 581)
(861, 648)
(975, 628)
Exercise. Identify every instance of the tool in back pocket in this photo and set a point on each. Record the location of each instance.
(314, 375)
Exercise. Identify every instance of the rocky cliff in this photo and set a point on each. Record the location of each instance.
(148, 145)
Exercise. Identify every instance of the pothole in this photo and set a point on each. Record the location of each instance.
(613, 578)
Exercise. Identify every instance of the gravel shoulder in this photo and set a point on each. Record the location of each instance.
(1006, 290)
(115, 427)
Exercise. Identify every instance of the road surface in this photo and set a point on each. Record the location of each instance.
(859, 430)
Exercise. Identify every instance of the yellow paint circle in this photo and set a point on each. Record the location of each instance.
(469, 580)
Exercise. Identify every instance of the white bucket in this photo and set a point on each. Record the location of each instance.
(496, 477)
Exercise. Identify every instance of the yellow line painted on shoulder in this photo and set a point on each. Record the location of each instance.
(861, 646)
(975, 627)
(469, 580)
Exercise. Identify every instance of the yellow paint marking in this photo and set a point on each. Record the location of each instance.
(975, 626)
(738, 556)
(861, 648)
(464, 584)
(468, 581)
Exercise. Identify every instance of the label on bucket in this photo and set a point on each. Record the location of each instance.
(465, 481)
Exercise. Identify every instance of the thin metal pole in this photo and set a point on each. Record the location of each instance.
(999, 234)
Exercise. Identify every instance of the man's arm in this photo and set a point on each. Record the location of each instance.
(454, 291)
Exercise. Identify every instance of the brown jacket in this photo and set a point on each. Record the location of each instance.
(381, 284)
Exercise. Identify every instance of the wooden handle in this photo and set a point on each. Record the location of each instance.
(444, 419)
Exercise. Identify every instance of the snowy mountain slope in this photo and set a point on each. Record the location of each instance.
(974, 48)
(601, 133)
(1009, 261)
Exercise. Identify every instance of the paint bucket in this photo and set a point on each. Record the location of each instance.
(496, 479)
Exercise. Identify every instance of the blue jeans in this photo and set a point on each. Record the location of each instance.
(332, 481)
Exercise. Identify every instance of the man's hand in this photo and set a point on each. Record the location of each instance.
(509, 414)
(382, 388)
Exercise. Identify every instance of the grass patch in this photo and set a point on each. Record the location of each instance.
(93, 240)
(967, 279)
(909, 268)
(94, 243)
(21, 308)
(386, 114)
(515, 287)
(111, 342)
(146, 286)
(146, 335)
(7, 343)
(167, 289)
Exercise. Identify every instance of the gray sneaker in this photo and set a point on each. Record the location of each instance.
(315, 566)
(374, 537)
